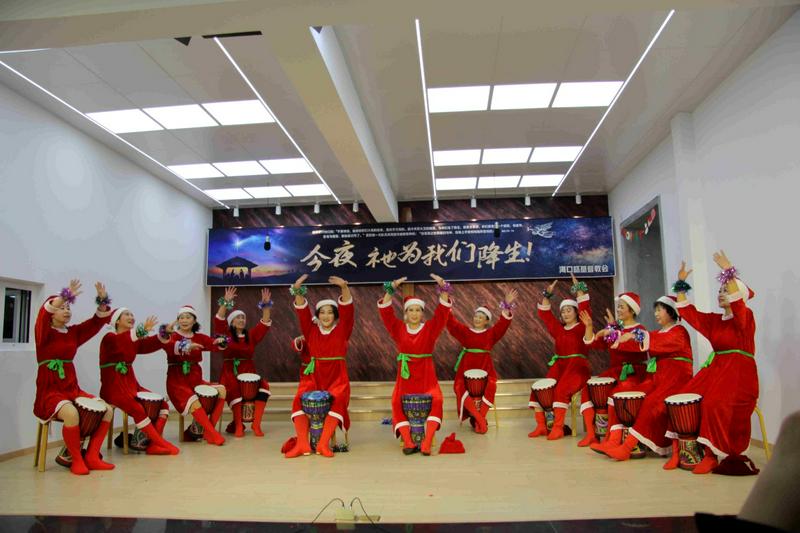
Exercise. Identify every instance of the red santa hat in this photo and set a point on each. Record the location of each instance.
(187, 309)
(411, 300)
(451, 445)
(567, 302)
(485, 311)
(633, 301)
(327, 301)
(115, 316)
(232, 315)
(746, 292)
(670, 301)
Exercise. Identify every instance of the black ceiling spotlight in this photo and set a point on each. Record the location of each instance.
(496, 229)
(183, 40)
(267, 244)
(317, 29)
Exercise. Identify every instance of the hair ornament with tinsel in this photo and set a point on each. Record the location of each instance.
(580, 286)
(141, 331)
(614, 330)
(729, 274)
(681, 286)
(184, 346)
(638, 335)
(228, 304)
(505, 306)
(388, 287)
(67, 295)
(104, 301)
(444, 288)
(263, 305)
(299, 291)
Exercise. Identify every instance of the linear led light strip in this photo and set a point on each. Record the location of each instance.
(277, 120)
(616, 97)
(425, 100)
(47, 92)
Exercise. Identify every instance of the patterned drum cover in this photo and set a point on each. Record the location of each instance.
(684, 416)
(248, 411)
(316, 405)
(417, 407)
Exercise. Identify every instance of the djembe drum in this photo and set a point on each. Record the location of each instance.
(684, 416)
(543, 391)
(417, 407)
(151, 402)
(315, 405)
(627, 405)
(90, 412)
(476, 380)
(248, 384)
(599, 390)
(207, 396)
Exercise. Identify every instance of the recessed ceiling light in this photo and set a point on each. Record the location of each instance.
(175, 117)
(295, 165)
(447, 158)
(586, 93)
(522, 96)
(498, 182)
(240, 168)
(195, 171)
(308, 190)
(554, 154)
(268, 192)
(492, 156)
(125, 121)
(455, 184)
(450, 99)
(540, 180)
(228, 194)
(239, 112)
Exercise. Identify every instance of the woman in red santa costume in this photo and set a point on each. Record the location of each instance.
(728, 380)
(239, 356)
(416, 373)
(668, 370)
(56, 382)
(568, 365)
(626, 365)
(118, 383)
(477, 343)
(184, 355)
(327, 341)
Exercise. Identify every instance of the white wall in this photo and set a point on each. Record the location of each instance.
(747, 163)
(71, 207)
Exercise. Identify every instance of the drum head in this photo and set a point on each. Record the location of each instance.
(475, 373)
(150, 396)
(544, 383)
(206, 390)
(316, 395)
(248, 376)
(597, 380)
(628, 395)
(678, 399)
(91, 404)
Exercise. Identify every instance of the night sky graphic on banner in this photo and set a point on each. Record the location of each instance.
(458, 251)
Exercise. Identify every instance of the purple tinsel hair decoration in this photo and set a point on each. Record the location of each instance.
(262, 305)
(507, 306)
(613, 333)
(638, 335)
(729, 274)
(67, 295)
(444, 288)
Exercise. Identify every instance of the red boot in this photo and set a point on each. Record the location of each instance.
(708, 463)
(302, 446)
(158, 445)
(588, 421)
(72, 439)
(209, 433)
(257, 415)
(541, 425)
(408, 444)
(430, 431)
(623, 451)
(675, 459)
(474, 412)
(161, 421)
(612, 440)
(557, 431)
(217, 412)
(238, 427)
(323, 446)
(92, 458)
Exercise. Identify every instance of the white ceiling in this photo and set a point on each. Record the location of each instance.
(354, 103)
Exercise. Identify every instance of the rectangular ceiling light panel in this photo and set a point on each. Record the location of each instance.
(295, 165)
(268, 192)
(455, 184)
(554, 154)
(540, 180)
(448, 158)
(176, 117)
(308, 190)
(195, 171)
(228, 194)
(239, 112)
(240, 168)
(522, 96)
(497, 156)
(452, 99)
(125, 121)
(498, 182)
(586, 93)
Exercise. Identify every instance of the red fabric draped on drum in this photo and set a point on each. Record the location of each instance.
(423, 378)
(53, 392)
(481, 340)
(625, 353)
(120, 389)
(671, 375)
(729, 386)
(570, 374)
(180, 387)
(329, 376)
(239, 349)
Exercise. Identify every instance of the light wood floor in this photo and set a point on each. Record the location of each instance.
(504, 476)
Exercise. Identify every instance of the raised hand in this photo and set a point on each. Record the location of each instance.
(101, 290)
(75, 287)
(683, 273)
(299, 281)
(610, 317)
(511, 295)
(336, 280)
(230, 293)
(574, 279)
(171, 326)
(150, 322)
(439, 279)
(722, 260)
(265, 295)
(552, 286)
(586, 318)
(399, 281)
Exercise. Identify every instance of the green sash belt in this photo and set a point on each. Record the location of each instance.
(56, 365)
(186, 366)
(556, 357)
(236, 362)
(725, 352)
(313, 365)
(467, 350)
(405, 373)
(627, 370)
(121, 367)
(652, 363)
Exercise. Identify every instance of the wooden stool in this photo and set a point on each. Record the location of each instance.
(42, 434)
(110, 437)
(574, 406)
(767, 450)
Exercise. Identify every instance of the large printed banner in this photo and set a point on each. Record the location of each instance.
(518, 249)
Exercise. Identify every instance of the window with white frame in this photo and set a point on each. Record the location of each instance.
(16, 314)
